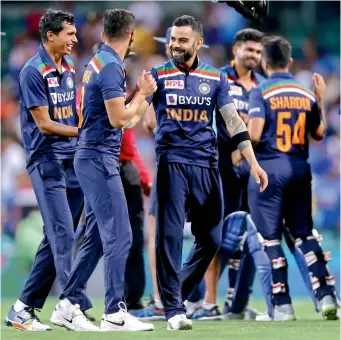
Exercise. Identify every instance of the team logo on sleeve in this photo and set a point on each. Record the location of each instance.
(52, 82)
(69, 82)
(171, 99)
(174, 84)
(204, 88)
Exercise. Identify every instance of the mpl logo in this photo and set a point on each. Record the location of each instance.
(174, 84)
(52, 82)
(171, 99)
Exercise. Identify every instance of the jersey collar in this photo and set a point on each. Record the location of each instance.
(48, 60)
(284, 75)
(185, 69)
(107, 48)
(235, 76)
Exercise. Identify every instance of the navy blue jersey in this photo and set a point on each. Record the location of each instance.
(241, 101)
(42, 85)
(103, 79)
(185, 104)
(290, 111)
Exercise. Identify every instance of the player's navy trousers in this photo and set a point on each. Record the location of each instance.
(61, 202)
(289, 197)
(180, 187)
(108, 231)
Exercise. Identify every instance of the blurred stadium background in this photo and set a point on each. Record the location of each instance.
(313, 28)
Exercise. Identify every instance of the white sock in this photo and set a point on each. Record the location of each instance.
(158, 304)
(65, 303)
(19, 306)
(207, 305)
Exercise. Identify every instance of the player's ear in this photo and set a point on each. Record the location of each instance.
(50, 36)
(234, 49)
(291, 61)
(102, 36)
(199, 43)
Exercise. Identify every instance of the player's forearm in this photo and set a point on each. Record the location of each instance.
(320, 105)
(56, 129)
(237, 130)
(142, 108)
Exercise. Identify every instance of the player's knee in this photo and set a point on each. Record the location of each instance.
(65, 242)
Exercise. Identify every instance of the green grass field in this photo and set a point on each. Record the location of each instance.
(308, 326)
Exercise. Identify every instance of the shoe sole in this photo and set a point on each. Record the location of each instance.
(19, 326)
(186, 327)
(209, 318)
(330, 313)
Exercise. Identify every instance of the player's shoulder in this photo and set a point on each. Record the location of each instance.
(228, 70)
(102, 59)
(278, 85)
(35, 65)
(208, 71)
(259, 78)
(166, 69)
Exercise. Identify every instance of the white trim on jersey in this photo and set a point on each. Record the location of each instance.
(290, 89)
(94, 66)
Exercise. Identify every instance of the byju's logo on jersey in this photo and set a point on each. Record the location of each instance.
(62, 97)
(52, 82)
(174, 84)
(171, 99)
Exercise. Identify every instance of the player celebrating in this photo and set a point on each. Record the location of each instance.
(281, 114)
(49, 128)
(187, 172)
(103, 115)
(247, 51)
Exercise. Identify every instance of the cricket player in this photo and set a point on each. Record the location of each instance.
(49, 121)
(104, 114)
(247, 51)
(282, 113)
(187, 170)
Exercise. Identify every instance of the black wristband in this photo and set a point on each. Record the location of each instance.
(241, 137)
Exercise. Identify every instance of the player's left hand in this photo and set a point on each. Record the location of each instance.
(260, 176)
(236, 157)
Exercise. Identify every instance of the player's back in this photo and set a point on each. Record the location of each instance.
(97, 137)
(184, 106)
(290, 112)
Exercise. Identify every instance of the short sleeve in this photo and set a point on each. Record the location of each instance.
(111, 81)
(224, 97)
(154, 74)
(256, 104)
(33, 90)
(315, 117)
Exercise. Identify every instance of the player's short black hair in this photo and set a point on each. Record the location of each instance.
(118, 23)
(188, 20)
(248, 34)
(277, 51)
(53, 20)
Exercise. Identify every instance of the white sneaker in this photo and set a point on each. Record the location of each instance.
(71, 317)
(122, 321)
(25, 320)
(179, 323)
(192, 307)
(280, 313)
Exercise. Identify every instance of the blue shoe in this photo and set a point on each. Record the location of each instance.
(150, 313)
(207, 314)
(25, 320)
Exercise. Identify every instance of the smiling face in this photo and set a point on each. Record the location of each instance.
(248, 54)
(184, 43)
(64, 41)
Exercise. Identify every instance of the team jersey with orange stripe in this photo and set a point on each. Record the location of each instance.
(41, 84)
(184, 104)
(290, 111)
(103, 79)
